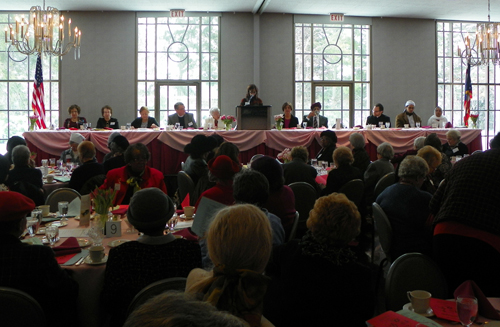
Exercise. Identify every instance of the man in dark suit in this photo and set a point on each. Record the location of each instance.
(314, 119)
(378, 116)
(33, 268)
(181, 116)
(298, 170)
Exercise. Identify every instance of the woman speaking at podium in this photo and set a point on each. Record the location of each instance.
(251, 98)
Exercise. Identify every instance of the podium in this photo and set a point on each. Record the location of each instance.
(254, 117)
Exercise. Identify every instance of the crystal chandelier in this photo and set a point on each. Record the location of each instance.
(43, 32)
(485, 48)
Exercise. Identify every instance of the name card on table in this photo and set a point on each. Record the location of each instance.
(85, 210)
(113, 228)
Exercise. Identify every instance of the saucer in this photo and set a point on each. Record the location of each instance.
(57, 224)
(183, 216)
(90, 262)
(429, 312)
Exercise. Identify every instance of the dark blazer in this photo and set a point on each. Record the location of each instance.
(255, 102)
(85, 172)
(323, 121)
(188, 120)
(461, 150)
(326, 154)
(138, 121)
(298, 171)
(294, 121)
(376, 120)
(113, 123)
(340, 176)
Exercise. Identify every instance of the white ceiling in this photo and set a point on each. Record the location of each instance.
(427, 9)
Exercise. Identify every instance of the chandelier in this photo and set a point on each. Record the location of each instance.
(485, 48)
(44, 31)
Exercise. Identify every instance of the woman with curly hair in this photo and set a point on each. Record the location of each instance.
(317, 280)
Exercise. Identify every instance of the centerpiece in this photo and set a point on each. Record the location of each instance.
(474, 118)
(285, 155)
(33, 119)
(103, 200)
(228, 121)
(279, 122)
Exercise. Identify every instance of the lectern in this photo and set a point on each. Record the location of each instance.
(253, 117)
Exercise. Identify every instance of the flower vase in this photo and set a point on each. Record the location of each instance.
(32, 126)
(279, 125)
(228, 126)
(97, 228)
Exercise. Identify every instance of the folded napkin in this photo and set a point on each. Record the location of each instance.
(188, 234)
(470, 289)
(121, 210)
(73, 129)
(185, 202)
(67, 247)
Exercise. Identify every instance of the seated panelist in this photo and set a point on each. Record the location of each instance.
(107, 121)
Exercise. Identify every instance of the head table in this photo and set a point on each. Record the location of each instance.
(166, 147)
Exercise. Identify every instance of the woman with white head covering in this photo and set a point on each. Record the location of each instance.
(437, 120)
(74, 140)
(408, 116)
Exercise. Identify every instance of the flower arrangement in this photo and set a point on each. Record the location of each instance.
(474, 118)
(285, 155)
(103, 200)
(228, 121)
(279, 121)
(33, 119)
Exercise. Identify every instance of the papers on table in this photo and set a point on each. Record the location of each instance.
(207, 209)
(76, 232)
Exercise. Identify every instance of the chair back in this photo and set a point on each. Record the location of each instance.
(354, 191)
(20, 309)
(156, 288)
(305, 197)
(293, 231)
(186, 186)
(383, 183)
(91, 184)
(61, 194)
(409, 272)
(383, 228)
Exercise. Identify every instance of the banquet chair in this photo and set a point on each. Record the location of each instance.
(294, 227)
(353, 190)
(384, 229)
(186, 186)
(156, 288)
(413, 271)
(305, 197)
(20, 309)
(383, 183)
(91, 184)
(61, 194)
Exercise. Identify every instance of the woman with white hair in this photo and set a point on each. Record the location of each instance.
(214, 119)
(378, 169)
(437, 120)
(361, 157)
(408, 116)
(454, 147)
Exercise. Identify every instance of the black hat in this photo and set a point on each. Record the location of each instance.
(330, 134)
(121, 141)
(200, 144)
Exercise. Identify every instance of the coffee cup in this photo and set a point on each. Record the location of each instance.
(45, 209)
(189, 211)
(96, 253)
(420, 300)
(407, 125)
(123, 127)
(50, 178)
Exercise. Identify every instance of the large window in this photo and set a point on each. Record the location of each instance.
(17, 73)
(178, 61)
(451, 79)
(332, 66)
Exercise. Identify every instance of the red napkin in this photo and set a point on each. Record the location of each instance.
(391, 318)
(121, 210)
(188, 234)
(74, 129)
(470, 289)
(67, 247)
(185, 202)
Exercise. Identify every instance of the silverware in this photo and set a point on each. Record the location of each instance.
(79, 262)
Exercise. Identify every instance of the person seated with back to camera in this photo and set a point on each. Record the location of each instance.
(118, 147)
(198, 150)
(298, 170)
(153, 257)
(89, 168)
(378, 169)
(33, 268)
(433, 158)
(12, 142)
(344, 171)
(361, 157)
(321, 266)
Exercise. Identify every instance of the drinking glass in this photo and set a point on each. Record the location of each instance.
(172, 223)
(45, 163)
(129, 125)
(31, 225)
(304, 125)
(52, 232)
(209, 126)
(177, 125)
(467, 310)
(89, 125)
(95, 232)
(52, 162)
(37, 215)
(63, 209)
(388, 125)
(314, 162)
(324, 164)
(60, 165)
(417, 125)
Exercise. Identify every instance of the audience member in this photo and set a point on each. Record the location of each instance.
(466, 242)
(407, 208)
(378, 169)
(153, 257)
(328, 142)
(72, 153)
(437, 120)
(175, 309)
(118, 147)
(495, 142)
(11, 144)
(378, 116)
(196, 165)
(236, 284)
(136, 175)
(438, 175)
(314, 119)
(298, 170)
(33, 268)
(106, 121)
(433, 158)
(344, 171)
(145, 121)
(23, 178)
(75, 121)
(321, 266)
(110, 154)
(418, 144)
(252, 97)
(454, 147)
(4, 172)
(89, 168)
(289, 120)
(185, 119)
(408, 117)
(281, 200)
(361, 157)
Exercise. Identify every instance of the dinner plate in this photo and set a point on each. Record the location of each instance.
(115, 243)
(83, 242)
(429, 312)
(57, 224)
(183, 216)
(90, 262)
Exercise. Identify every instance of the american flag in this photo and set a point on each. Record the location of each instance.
(37, 101)
(468, 95)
